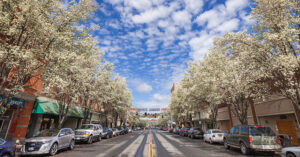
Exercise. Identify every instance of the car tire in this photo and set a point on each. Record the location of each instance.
(99, 137)
(244, 149)
(226, 144)
(290, 155)
(5, 155)
(210, 141)
(71, 146)
(53, 150)
(90, 140)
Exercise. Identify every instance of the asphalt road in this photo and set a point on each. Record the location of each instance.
(151, 143)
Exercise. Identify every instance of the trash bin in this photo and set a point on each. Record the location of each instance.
(285, 140)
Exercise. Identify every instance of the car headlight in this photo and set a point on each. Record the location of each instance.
(49, 141)
(87, 133)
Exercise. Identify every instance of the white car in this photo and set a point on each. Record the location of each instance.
(213, 135)
(290, 152)
(89, 133)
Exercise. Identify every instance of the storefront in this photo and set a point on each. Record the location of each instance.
(45, 115)
(9, 116)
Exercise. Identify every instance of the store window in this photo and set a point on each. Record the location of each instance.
(48, 122)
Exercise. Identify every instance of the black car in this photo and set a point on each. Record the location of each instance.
(126, 130)
(107, 133)
(195, 133)
(122, 131)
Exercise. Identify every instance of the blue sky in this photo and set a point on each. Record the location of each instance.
(150, 42)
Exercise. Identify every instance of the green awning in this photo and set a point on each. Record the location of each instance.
(45, 107)
(76, 112)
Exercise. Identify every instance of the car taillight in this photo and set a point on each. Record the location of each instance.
(250, 139)
(277, 139)
(15, 145)
(213, 136)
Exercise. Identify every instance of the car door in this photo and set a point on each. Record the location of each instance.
(69, 134)
(62, 138)
(229, 136)
(236, 135)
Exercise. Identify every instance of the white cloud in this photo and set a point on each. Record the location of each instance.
(157, 100)
(193, 6)
(144, 88)
(229, 26)
(182, 18)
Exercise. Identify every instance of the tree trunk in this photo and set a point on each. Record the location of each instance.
(253, 112)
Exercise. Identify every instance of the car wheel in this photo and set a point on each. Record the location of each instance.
(210, 141)
(53, 149)
(226, 144)
(71, 146)
(290, 155)
(192, 136)
(6, 155)
(244, 149)
(90, 140)
(99, 137)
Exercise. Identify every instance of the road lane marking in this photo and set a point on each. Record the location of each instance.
(173, 151)
(150, 150)
(132, 149)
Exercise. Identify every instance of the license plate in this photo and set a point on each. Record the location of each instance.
(31, 148)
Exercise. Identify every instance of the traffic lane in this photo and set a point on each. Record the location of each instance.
(106, 147)
(192, 147)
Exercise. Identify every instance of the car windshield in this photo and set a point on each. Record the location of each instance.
(90, 127)
(114, 129)
(47, 133)
(2, 141)
(105, 129)
(217, 131)
(261, 131)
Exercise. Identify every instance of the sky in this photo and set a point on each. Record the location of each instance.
(150, 42)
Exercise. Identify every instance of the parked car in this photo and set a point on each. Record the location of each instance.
(7, 149)
(122, 131)
(49, 142)
(126, 130)
(177, 130)
(252, 138)
(290, 152)
(214, 135)
(129, 130)
(107, 133)
(89, 133)
(165, 129)
(116, 132)
(195, 133)
(171, 130)
(184, 131)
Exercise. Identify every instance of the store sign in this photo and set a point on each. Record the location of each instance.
(15, 102)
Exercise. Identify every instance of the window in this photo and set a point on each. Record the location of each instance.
(232, 130)
(244, 130)
(261, 131)
(236, 130)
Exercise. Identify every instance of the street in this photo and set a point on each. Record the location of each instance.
(151, 143)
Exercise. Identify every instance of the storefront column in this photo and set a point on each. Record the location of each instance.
(23, 121)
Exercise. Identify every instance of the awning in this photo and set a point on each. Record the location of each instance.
(45, 107)
(76, 112)
(50, 107)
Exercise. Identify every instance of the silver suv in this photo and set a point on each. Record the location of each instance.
(89, 133)
(49, 142)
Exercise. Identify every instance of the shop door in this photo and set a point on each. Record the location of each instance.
(287, 127)
(5, 120)
(228, 126)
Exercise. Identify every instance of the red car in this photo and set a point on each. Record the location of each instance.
(165, 129)
(171, 130)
